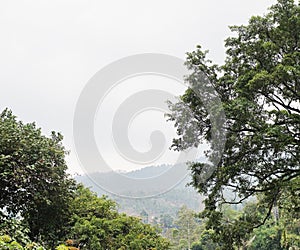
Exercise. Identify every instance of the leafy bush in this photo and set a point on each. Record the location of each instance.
(7, 243)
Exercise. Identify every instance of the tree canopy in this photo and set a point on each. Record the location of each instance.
(34, 184)
(96, 224)
(260, 93)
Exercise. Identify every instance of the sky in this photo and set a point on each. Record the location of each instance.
(49, 50)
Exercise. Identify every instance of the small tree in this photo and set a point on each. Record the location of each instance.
(186, 228)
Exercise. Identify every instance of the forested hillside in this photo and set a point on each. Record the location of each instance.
(165, 203)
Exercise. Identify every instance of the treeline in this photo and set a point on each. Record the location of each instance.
(188, 230)
(41, 207)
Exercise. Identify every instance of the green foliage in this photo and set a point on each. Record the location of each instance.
(7, 243)
(196, 246)
(98, 225)
(267, 237)
(166, 221)
(260, 92)
(5, 238)
(185, 229)
(33, 180)
(34, 246)
(235, 230)
(206, 241)
(62, 247)
(16, 227)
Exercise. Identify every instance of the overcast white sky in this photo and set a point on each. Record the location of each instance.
(50, 49)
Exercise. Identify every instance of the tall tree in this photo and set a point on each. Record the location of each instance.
(186, 229)
(34, 185)
(259, 88)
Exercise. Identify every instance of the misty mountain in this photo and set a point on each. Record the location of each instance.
(158, 190)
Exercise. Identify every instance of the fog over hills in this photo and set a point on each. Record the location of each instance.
(127, 185)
